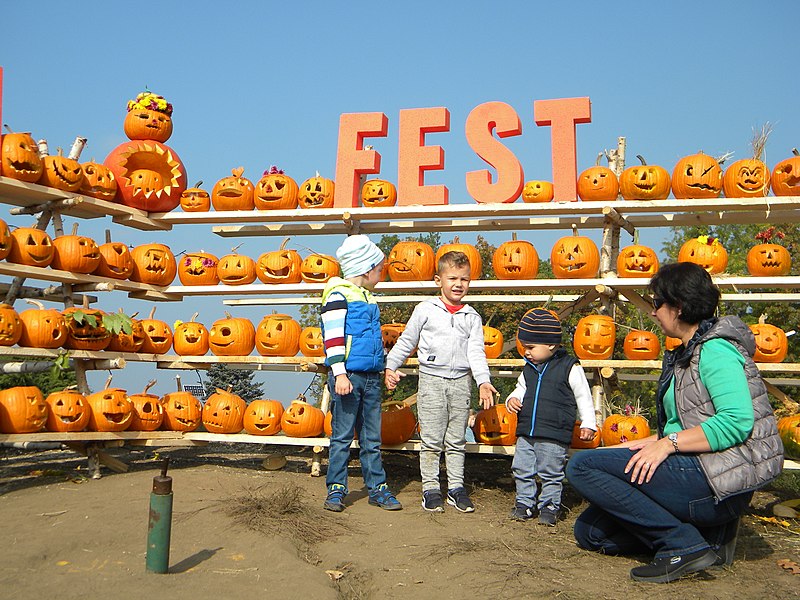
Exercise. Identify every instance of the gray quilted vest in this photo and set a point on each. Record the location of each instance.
(759, 459)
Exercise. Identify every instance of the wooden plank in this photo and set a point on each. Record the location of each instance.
(88, 436)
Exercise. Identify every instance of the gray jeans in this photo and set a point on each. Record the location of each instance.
(443, 411)
(545, 458)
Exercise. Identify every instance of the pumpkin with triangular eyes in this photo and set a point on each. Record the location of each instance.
(311, 342)
(68, 410)
(516, 259)
(223, 412)
(154, 264)
(575, 257)
(30, 246)
(475, 260)
(278, 335)
(20, 157)
(263, 417)
(195, 199)
(769, 260)
(771, 342)
(61, 172)
(236, 269)
(645, 182)
(637, 261)
(116, 261)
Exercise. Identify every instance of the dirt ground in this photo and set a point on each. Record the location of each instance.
(240, 531)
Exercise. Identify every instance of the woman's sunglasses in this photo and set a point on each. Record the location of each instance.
(658, 303)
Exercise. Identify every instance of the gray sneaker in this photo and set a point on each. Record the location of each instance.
(521, 512)
(458, 498)
(432, 501)
(548, 516)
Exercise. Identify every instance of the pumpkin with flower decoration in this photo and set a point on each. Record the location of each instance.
(705, 251)
(619, 428)
(769, 258)
(275, 191)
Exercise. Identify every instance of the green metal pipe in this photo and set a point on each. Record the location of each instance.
(160, 523)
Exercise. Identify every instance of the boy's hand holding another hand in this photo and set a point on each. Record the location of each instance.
(392, 378)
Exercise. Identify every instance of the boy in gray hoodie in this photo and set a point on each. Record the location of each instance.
(448, 336)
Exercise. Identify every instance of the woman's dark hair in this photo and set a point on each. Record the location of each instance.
(689, 287)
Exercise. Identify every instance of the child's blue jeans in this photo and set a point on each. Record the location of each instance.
(545, 458)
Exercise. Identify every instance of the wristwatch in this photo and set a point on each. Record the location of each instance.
(673, 437)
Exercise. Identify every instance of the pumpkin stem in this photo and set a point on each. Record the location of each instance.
(36, 303)
(199, 183)
(641, 159)
(194, 316)
(237, 172)
(75, 228)
(574, 229)
(456, 240)
(150, 384)
(108, 236)
(724, 157)
(85, 301)
(152, 313)
(235, 248)
(599, 157)
(108, 380)
(283, 243)
(178, 382)
(228, 315)
(7, 128)
(795, 152)
(762, 319)
(635, 237)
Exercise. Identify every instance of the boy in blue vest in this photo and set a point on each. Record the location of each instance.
(351, 330)
(549, 390)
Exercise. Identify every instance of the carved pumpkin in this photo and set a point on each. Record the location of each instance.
(378, 192)
(594, 337)
(280, 266)
(22, 410)
(276, 191)
(645, 182)
(598, 183)
(390, 333)
(771, 342)
(706, 252)
(148, 414)
(62, 173)
(278, 335)
(327, 426)
(195, 199)
(223, 412)
(516, 259)
(575, 257)
(624, 428)
(128, 342)
(697, 176)
(746, 178)
(496, 426)
(302, 420)
(789, 430)
(236, 269)
(263, 417)
(492, 341)
(20, 157)
(154, 264)
(475, 261)
(42, 328)
(67, 410)
(769, 260)
(98, 182)
(537, 191)
(198, 268)
(111, 410)
(10, 325)
(149, 118)
(182, 412)
(232, 337)
(32, 247)
(190, 339)
(786, 176)
(85, 329)
(670, 343)
(157, 335)
(311, 342)
(318, 268)
(116, 261)
(75, 253)
(411, 261)
(398, 423)
(316, 192)
(637, 260)
(5, 239)
(641, 345)
(577, 442)
(234, 192)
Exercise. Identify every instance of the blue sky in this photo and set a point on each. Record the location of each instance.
(261, 83)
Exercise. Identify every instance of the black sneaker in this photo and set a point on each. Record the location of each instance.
(458, 497)
(664, 570)
(520, 512)
(432, 501)
(548, 516)
(726, 551)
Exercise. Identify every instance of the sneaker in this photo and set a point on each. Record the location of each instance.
(548, 516)
(521, 512)
(383, 497)
(726, 551)
(664, 570)
(335, 499)
(432, 501)
(458, 497)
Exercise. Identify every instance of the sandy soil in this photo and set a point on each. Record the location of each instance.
(67, 536)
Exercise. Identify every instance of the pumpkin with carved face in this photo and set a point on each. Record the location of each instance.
(195, 199)
(618, 429)
(232, 336)
(116, 261)
(280, 266)
(75, 253)
(236, 269)
(154, 264)
(575, 257)
(697, 176)
(492, 341)
(62, 173)
(594, 337)
(398, 423)
(157, 335)
(475, 261)
(276, 191)
(5, 239)
(148, 414)
(190, 339)
(223, 412)
(411, 261)
(538, 191)
(516, 259)
(128, 342)
(10, 325)
(111, 410)
(637, 261)
(786, 176)
(42, 328)
(769, 260)
(98, 182)
(234, 192)
(378, 192)
(706, 252)
(85, 329)
(390, 333)
(67, 410)
(302, 420)
(182, 412)
(645, 182)
(22, 410)
(311, 342)
(496, 426)
(771, 342)
(263, 417)
(746, 178)
(147, 124)
(30, 246)
(598, 183)
(20, 157)
(641, 344)
(318, 268)
(198, 268)
(316, 192)
(278, 335)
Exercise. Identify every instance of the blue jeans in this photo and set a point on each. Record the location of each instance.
(360, 410)
(675, 513)
(545, 458)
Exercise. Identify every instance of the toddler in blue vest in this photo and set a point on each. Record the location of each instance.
(551, 391)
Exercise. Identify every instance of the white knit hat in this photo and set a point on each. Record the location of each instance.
(358, 255)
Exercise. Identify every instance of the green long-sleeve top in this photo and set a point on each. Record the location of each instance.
(722, 372)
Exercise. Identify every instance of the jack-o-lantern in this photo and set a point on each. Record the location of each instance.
(769, 259)
(276, 191)
(149, 118)
(236, 269)
(234, 192)
(75, 253)
(786, 176)
(398, 423)
(30, 246)
(111, 410)
(22, 410)
(67, 410)
(598, 182)
(148, 414)
(327, 426)
(195, 199)
(302, 420)
(5, 239)
(411, 261)
(223, 412)
(575, 257)
(279, 266)
(641, 344)
(492, 341)
(278, 335)
(705, 251)
(311, 342)
(182, 412)
(42, 328)
(771, 342)
(20, 157)
(85, 329)
(538, 191)
(157, 335)
(316, 192)
(390, 333)
(190, 338)
(746, 178)
(116, 260)
(670, 343)
(617, 429)
(318, 268)
(61, 172)
(578, 443)
(475, 261)
(378, 192)
(516, 259)
(263, 417)
(697, 176)
(98, 181)
(10, 325)
(637, 260)
(232, 336)
(645, 182)
(128, 342)
(789, 430)
(594, 337)
(496, 426)
(154, 264)
(198, 268)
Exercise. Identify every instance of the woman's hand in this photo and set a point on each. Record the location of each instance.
(649, 455)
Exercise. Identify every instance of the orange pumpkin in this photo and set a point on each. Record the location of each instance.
(67, 410)
(182, 412)
(195, 199)
(236, 269)
(61, 172)
(278, 335)
(475, 261)
(769, 259)
(575, 257)
(22, 410)
(75, 253)
(128, 342)
(789, 430)
(149, 118)
(234, 192)
(516, 259)
(157, 335)
(645, 182)
(538, 191)
(32, 247)
(276, 191)
(198, 268)
(85, 329)
(148, 414)
(637, 260)
(42, 328)
(492, 341)
(5, 239)
(771, 342)
(641, 345)
(411, 261)
(378, 192)
(390, 333)
(111, 410)
(316, 192)
(302, 420)
(697, 176)
(786, 176)
(154, 264)
(598, 183)
(706, 252)
(746, 178)
(496, 426)
(280, 266)
(670, 343)
(624, 428)
(10, 325)
(98, 181)
(116, 261)
(223, 412)
(594, 337)
(190, 339)
(232, 336)
(263, 417)
(19, 157)
(311, 342)
(318, 268)
(398, 423)
(577, 442)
